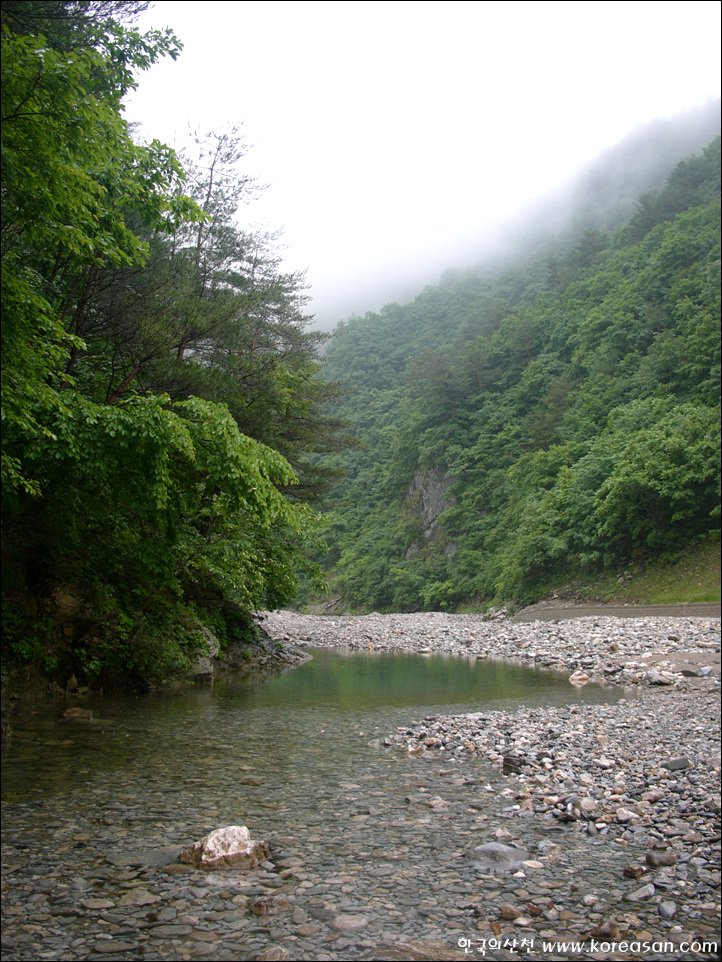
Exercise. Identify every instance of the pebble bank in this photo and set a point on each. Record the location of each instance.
(639, 778)
(602, 841)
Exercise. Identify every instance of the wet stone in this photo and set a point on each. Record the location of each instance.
(645, 892)
(116, 947)
(657, 859)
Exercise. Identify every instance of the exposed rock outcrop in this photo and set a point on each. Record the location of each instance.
(203, 666)
(428, 498)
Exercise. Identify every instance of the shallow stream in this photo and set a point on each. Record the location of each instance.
(93, 811)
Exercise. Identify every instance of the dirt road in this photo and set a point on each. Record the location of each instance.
(547, 612)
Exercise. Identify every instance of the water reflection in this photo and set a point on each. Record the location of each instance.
(359, 681)
(288, 720)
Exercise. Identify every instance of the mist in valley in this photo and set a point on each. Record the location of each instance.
(601, 195)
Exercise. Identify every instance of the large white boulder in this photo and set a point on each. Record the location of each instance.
(230, 847)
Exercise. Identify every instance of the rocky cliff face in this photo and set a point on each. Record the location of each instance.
(429, 496)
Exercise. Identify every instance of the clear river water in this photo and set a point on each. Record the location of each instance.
(98, 808)
(271, 722)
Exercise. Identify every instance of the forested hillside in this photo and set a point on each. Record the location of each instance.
(525, 424)
(168, 438)
(160, 390)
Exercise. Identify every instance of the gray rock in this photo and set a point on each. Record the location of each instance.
(138, 897)
(658, 859)
(703, 672)
(274, 953)
(150, 857)
(270, 905)
(97, 904)
(115, 946)
(660, 678)
(511, 764)
(646, 892)
(411, 950)
(172, 931)
(677, 764)
(349, 923)
(496, 855)
(668, 910)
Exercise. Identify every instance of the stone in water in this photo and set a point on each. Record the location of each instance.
(230, 847)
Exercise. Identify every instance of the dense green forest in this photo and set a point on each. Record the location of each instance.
(171, 432)
(530, 423)
(160, 390)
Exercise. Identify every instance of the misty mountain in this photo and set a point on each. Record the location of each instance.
(601, 196)
(604, 194)
(546, 414)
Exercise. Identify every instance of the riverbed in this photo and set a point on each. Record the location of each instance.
(374, 813)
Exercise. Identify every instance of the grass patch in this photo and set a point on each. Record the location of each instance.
(691, 577)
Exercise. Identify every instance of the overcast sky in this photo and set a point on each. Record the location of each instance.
(395, 136)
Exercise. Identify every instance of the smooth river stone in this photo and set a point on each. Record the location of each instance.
(349, 923)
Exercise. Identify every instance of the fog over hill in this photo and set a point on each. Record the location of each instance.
(602, 195)
(549, 413)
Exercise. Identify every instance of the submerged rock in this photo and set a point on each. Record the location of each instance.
(607, 930)
(274, 953)
(270, 905)
(511, 765)
(412, 950)
(77, 714)
(230, 847)
(495, 855)
(349, 923)
(661, 859)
